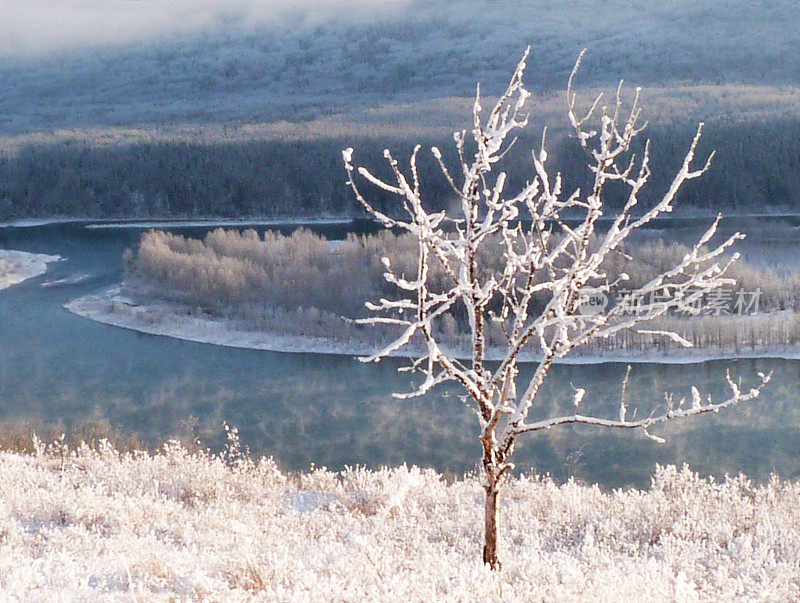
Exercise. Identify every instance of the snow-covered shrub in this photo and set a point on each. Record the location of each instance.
(295, 285)
(99, 523)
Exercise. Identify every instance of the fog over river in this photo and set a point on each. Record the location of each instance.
(332, 410)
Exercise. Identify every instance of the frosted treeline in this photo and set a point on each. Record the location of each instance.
(99, 523)
(229, 269)
(303, 284)
(292, 169)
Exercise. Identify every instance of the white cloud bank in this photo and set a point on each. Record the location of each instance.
(40, 26)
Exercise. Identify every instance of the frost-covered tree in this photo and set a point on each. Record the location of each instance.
(542, 256)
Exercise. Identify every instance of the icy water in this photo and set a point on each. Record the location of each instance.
(335, 411)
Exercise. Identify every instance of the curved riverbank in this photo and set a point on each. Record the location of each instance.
(158, 317)
(19, 266)
(171, 320)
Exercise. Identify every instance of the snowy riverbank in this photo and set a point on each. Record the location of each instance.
(99, 224)
(219, 223)
(102, 524)
(161, 318)
(19, 266)
(173, 320)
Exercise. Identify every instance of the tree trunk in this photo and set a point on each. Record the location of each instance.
(492, 524)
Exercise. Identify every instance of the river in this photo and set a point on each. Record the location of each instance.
(334, 411)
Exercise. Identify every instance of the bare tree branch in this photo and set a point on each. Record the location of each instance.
(534, 286)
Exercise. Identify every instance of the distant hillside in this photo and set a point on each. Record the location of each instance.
(300, 67)
(244, 113)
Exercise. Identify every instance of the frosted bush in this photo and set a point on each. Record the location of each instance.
(98, 523)
(295, 285)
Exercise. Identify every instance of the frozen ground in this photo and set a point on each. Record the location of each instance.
(175, 320)
(18, 266)
(35, 222)
(97, 525)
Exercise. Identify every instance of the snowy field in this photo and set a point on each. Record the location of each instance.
(105, 525)
(18, 266)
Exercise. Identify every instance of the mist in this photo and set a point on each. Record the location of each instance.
(32, 27)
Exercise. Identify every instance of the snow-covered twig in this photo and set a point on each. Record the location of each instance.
(535, 295)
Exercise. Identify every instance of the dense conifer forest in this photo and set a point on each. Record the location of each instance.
(757, 169)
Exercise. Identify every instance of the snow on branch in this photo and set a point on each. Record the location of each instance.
(511, 262)
(681, 412)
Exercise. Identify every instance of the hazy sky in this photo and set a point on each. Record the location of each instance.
(30, 27)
